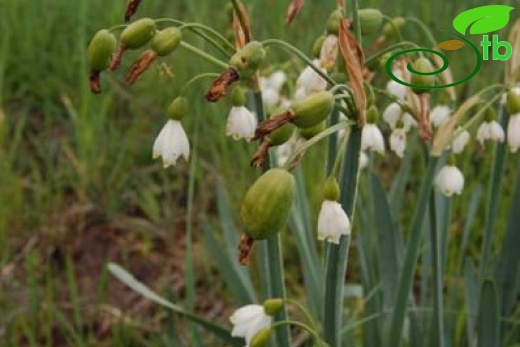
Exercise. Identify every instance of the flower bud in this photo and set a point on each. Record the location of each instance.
(370, 20)
(178, 108)
(267, 204)
(261, 338)
(138, 34)
(165, 41)
(333, 22)
(273, 306)
(312, 110)
(513, 102)
(372, 115)
(308, 133)
(248, 59)
(331, 189)
(238, 97)
(390, 28)
(423, 66)
(100, 50)
(316, 47)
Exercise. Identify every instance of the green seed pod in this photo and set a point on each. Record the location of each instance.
(138, 34)
(308, 133)
(178, 108)
(248, 59)
(165, 41)
(100, 50)
(281, 135)
(370, 20)
(372, 115)
(273, 306)
(312, 110)
(423, 65)
(513, 102)
(316, 47)
(334, 21)
(390, 28)
(331, 189)
(261, 338)
(267, 204)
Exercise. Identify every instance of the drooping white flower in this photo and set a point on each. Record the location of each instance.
(270, 97)
(171, 143)
(372, 139)
(332, 222)
(241, 123)
(397, 89)
(490, 130)
(310, 80)
(459, 143)
(249, 320)
(277, 79)
(408, 121)
(398, 141)
(363, 160)
(440, 115)
(513, 132)
(392, 114)
(329, 51)
(450, 180)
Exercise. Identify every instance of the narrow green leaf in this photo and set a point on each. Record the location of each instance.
(471, 290)
(488, 319)
(236, 277)
(140, 288)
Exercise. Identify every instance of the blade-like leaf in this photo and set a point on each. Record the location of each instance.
(140, 288)
(482, 20)
(488, 319)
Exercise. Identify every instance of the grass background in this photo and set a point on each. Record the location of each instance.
(78, 186)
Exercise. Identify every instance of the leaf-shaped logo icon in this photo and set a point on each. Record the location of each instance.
(482, 20)
(451, 45)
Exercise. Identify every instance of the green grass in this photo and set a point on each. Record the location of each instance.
(78, 186)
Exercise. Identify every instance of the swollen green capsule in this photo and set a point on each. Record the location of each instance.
(370, 20)
(312, 110)
(165, 41)
(100, 50)
(308, 133)
(248, 59)
(178, 108)
(267, 204)
(316, 47)
(390, 29)
(423, 65)
(138, 34)
(333, 22)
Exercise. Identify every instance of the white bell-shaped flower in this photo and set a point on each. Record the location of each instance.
(398, 141)
(440, 115)
(332, 222)
(397, 89)
(450, 180)
(392, 114)
(372, 139)
(363, 160)
(513, 132)
(310, 80)
(248, 321)
(241, 123)
(459, 143)
(490, 130)
(171, 143)
(277, 79)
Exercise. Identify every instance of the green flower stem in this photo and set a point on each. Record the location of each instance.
(396, 29)
(301, 55)
(196, 29)
(412, 251)
(424, 28)
(197, 78)
(286, 323)
(390, 49)
(204, 55)
(303, 310)
(272, 255)
(337, 255)
(435, 241)
(333, 142)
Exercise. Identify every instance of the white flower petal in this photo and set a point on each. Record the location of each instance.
(392, 113)
(513, 132)
(490, 131)
(450, 180)
(310, 80)
(459, 143)
(332, 222)
(241, 123)
(440, 115)
(372, 139)
(398, 141)
(248, 320)
(171, 143)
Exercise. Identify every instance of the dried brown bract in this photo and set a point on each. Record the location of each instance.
(116, 58)
(221, 85)
(142, 64)
(293, 10)
(260, 157)
(241, 27)
(131, 8)
(245, 246)
(425, 127)
(94, 80)
(273, 123)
